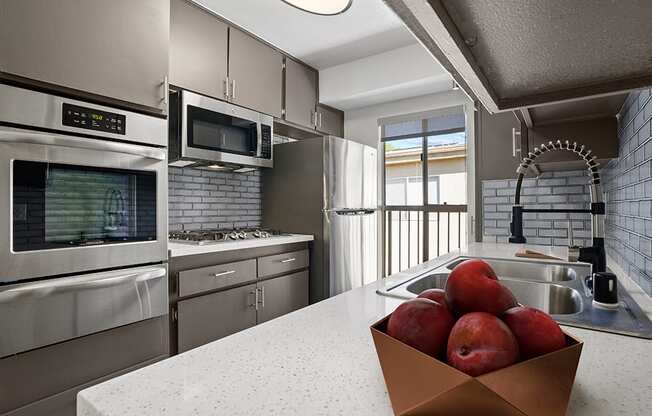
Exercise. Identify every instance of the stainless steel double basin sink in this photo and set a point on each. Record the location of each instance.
(557, 288)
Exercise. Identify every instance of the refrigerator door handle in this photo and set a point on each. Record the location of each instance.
(353, 211)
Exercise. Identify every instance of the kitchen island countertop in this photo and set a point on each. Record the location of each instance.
(321, 361)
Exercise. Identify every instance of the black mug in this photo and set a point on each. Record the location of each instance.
(605, 289)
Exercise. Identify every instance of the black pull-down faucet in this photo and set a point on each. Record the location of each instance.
(594, 254)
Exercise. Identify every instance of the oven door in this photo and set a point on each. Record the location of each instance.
(36, 314)
(70, 204)
(220, 132)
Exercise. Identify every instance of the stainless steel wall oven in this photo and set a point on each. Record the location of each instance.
(83, 218)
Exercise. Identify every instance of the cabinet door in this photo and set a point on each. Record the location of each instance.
(300, 93)
(198, 50)
(600, 135)
(206, 318)
(330, 120)
(282, 295)
(256, 74)
(496, 157)
(117, 49)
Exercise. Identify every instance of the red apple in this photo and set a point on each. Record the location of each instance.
(480, 343)
(536, 332)
(438, 295)
(473, 286)
(422, 324)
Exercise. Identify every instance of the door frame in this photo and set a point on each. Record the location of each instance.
(470, 113)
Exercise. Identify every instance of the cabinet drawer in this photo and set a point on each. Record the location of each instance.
(216, 277)
(282, 263)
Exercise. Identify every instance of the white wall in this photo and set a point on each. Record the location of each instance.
(397, 74)
(361, 124)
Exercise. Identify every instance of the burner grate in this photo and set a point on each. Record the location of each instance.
(213, 236)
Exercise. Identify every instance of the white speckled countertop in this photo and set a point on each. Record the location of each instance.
(188, 249)
(321, 361)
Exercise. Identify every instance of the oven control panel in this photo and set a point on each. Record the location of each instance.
(88, 118)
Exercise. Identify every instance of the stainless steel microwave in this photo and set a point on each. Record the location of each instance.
(205, 131)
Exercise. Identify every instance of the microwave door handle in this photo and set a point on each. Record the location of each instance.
(259, 139)
(20, 136)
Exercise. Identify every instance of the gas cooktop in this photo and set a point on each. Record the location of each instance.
(202, 237)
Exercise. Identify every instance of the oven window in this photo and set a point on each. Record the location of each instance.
(59, 206)
(221, 132)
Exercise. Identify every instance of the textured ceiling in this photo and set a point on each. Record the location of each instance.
(529, 47)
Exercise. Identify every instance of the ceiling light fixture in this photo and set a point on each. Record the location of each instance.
(321, 7)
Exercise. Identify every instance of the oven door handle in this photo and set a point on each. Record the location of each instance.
(92, 281)
(11, 135)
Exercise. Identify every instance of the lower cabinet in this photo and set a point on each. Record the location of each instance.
(45, 381)
(282, 295)
(217, 300)
(209, 317)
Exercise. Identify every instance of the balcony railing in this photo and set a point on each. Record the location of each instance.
(414, 234)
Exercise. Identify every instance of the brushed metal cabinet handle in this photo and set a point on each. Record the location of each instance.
(319, 119)
(290, 260)
(514, 134)
(262, 296)
(255, 304)
(226, 88)
(226, 273)
(166, 92)
(233, 89)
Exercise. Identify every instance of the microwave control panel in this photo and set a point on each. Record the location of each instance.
(88, 118)
(266, 142)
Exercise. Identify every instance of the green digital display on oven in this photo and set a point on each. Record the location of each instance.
(97, 117)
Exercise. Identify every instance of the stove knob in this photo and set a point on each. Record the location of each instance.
(257, 233)
(242, 235)
(264, 234)
(233, 235)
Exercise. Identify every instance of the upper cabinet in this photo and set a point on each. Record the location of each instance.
(330, 120)
(511, 55)
(255, 74)
(498, 145)
(116, 50)
(301, 101)
(212, 58)
(301, 83)
(198, 37)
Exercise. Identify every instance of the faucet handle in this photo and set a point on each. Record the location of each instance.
(573, 250)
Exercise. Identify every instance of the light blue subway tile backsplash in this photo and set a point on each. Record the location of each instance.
(627, 183)
(627, 187)
(550, 190)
